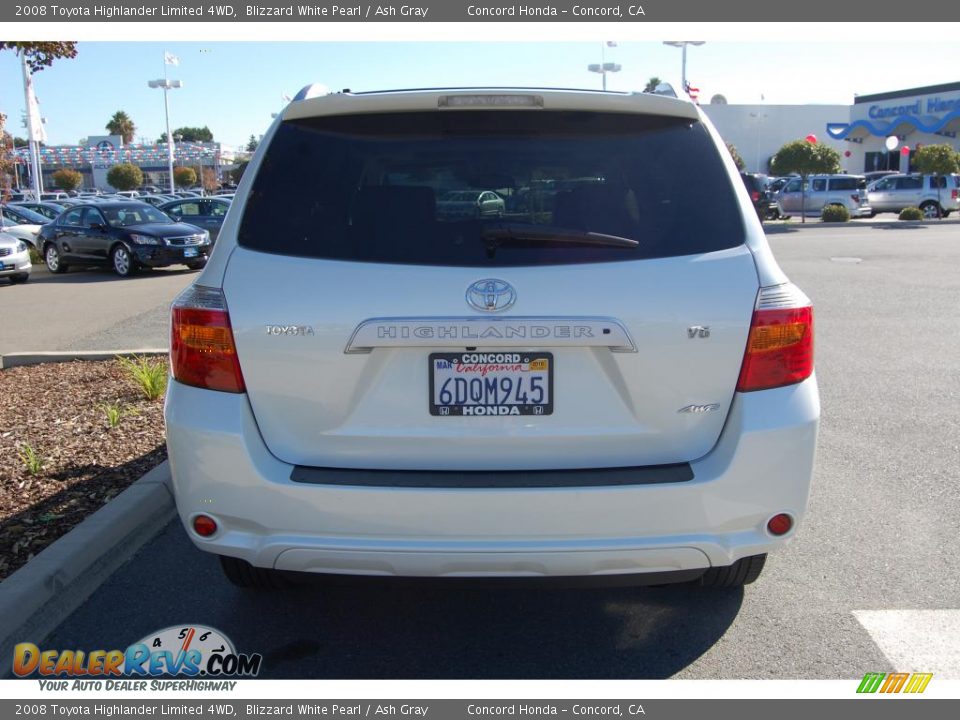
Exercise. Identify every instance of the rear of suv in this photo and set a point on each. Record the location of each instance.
(603, 381)
(850, 191)
(935, 195)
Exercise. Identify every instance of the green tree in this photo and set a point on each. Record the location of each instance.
(125, 176)
(121, 124)
(937, 160)
(190, 134)
(41, 55)
(805, 158)
(67, 179)
(737, 160)
(652, 84)
(184, 177)
(252, 144)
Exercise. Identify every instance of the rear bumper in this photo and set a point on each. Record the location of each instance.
(761, 466)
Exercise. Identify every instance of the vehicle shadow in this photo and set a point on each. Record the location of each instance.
(382, 629)
(80, 275)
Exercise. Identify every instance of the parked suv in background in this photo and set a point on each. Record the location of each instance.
(850, 191)
(935, 195)
(608, 381)
(756, 185)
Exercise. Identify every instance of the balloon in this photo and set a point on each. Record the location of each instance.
(811, 138)
(905, 150)
(891, 142)
(847, 153)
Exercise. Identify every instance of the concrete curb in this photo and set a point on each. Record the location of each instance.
(40, 595)
(780, 226)
(36, 358)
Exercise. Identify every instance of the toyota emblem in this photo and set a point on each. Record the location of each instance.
(491, 295)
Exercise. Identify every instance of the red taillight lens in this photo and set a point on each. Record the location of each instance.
(953, 194)
(202, 351)
(754, 195)
(855, 198)
(204, 526)
(779, 349)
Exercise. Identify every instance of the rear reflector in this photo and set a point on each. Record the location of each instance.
(204, 526)
(780, 524)
(780, 345)
(202, 351)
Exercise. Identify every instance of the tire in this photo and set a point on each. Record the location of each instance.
(931, 210)
(197, 264)
(742, 572)
(244, 575)
(946, 213)
(21, 278)
(51, 256)
(122, 261)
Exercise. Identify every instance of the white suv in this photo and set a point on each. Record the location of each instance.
(607, 381)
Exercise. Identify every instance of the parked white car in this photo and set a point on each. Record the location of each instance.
(611, 383)
(850, 191)
(935, 195)
(28, 233)
(15, 262)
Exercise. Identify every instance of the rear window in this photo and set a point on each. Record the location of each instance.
(465, 188)
(848, 183)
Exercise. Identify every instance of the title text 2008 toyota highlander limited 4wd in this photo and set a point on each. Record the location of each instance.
(606, 379)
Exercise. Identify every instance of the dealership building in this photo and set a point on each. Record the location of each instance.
(915, 117)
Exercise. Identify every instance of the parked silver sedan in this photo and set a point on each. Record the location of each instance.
(14, 259)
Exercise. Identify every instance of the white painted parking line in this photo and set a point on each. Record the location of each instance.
(917, 640)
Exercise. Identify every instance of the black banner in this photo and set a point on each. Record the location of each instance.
(474, 11)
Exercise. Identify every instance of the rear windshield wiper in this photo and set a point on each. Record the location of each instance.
(509, 233)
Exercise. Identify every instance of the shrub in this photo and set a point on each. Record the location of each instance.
(911, 213)
(31, 458)
(67, 179)
(149, 374)
(835, 213)
(184, 176)
(125, 176)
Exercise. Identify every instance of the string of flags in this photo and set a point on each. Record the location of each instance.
(76, 154)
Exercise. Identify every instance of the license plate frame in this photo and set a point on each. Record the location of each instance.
(479, 359)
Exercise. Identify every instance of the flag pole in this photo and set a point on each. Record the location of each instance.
(31, 129)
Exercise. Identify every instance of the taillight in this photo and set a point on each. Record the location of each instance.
(953, 194)
(855, 198)
(780, 345)
(754, 195)
(202, 351)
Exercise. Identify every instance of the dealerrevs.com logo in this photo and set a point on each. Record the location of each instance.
(192, 651)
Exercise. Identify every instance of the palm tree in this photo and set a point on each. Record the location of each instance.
(121, 124)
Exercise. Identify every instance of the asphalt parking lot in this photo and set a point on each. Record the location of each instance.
(871, 583)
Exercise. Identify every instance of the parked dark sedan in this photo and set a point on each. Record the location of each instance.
(207, 213)
(125, 235)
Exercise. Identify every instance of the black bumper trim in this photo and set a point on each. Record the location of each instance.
(600, 477)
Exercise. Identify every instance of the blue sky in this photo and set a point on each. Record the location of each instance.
(234, 86)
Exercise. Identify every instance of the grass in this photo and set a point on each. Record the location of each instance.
(149, 374)
(32, 459)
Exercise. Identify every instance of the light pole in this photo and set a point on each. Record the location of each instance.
(682, 44)
(167, 85)
(603, 67)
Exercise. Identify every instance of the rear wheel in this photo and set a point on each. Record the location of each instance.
(930, 210)
(244, 575)
(742, 572)
(53, 260)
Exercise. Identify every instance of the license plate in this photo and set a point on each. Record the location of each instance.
(6, 267)
(491, 383)
(190, 252)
